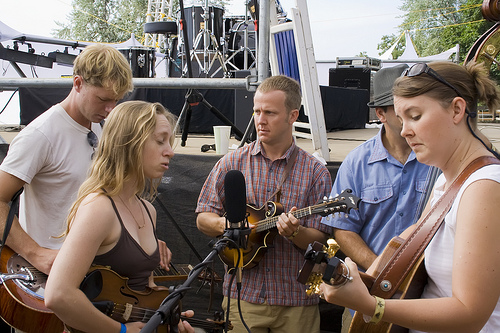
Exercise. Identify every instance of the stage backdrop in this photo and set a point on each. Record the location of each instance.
(344, 108)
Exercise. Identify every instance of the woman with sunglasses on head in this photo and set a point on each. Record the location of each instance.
(110, 224)
(435, 104)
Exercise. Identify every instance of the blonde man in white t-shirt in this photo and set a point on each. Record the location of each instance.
(51, 156)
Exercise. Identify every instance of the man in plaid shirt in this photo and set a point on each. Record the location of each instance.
(271, 298)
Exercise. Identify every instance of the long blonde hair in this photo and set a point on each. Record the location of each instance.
(119, 156)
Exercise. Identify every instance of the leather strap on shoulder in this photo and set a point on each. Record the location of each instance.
(405, 257)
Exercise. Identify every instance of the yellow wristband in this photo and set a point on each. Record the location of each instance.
(379, 310)
(292, 236)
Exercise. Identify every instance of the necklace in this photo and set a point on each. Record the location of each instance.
(138, 225)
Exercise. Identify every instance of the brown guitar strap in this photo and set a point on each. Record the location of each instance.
(405, 257)
(13, 210)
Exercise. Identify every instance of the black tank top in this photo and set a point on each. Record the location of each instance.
(128, 258)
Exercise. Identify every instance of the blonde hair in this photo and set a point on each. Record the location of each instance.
(119, 156)
(471, 80)
(102, 65)
(291, 88)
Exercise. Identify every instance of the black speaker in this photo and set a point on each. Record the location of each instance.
(344, 108)
(355, 78)
(352, 78)
(243, 103)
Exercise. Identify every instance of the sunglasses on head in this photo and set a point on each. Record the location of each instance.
(421, 68)
(93, 141)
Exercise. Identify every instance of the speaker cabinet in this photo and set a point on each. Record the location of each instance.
(355, 78)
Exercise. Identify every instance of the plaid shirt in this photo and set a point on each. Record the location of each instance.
(274, 279)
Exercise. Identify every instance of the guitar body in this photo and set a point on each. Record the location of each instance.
(411, 288)
(321, 265)
(258, 241)
(21, 302)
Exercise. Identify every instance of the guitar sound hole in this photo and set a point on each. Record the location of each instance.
(270, 209)
(124, 293)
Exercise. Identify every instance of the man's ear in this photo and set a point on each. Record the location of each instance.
(294, 115)
(77, 83)
(380, 114)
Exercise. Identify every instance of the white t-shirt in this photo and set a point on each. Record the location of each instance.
(52, 155)
(439, 252)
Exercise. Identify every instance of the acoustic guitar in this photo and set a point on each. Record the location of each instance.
(321, 265)
(22, 287)
(264, 221)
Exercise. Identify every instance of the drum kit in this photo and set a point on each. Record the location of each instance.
(217, 45)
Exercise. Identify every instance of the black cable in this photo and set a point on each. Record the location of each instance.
(238, 288)
(469, 116)
(228, 301)
(239, 308)
(7, 104)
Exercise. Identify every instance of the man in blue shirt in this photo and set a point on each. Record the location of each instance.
(386, 175)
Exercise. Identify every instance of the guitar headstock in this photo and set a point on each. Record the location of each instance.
(321, 265)
(342, 203)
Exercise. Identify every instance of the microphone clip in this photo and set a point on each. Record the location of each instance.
(238, 232)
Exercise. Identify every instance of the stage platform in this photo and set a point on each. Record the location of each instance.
(340, 142)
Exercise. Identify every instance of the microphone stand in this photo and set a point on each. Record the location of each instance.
(168, 312)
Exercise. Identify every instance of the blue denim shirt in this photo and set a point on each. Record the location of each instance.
(390, 193)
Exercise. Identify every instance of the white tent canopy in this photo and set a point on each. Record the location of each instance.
(410, 53)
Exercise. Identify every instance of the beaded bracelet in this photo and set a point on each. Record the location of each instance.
(123, 328)
(379, 311)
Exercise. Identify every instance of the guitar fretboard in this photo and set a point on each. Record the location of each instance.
(176, 272)
(271, 221)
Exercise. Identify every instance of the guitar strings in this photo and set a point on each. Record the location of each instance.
(144, 314)
(271, 221)
(299, 213)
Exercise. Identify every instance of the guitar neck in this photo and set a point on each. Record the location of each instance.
(270, 222)
(176, 272)
(144, 315)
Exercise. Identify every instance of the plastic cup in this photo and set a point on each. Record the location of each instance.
(222, 134)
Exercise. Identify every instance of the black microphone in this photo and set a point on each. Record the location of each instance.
(236, 199)
(236, 222)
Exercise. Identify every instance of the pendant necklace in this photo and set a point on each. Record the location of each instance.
(143, 221)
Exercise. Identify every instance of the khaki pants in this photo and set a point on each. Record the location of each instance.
(264, 318)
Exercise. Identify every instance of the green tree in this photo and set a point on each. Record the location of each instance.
(109, 21)
(92, 20)
(388, 41)
(438, 25)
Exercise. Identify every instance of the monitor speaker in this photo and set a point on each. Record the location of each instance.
(355, 78)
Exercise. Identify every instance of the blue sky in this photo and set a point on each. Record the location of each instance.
(340, 28)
